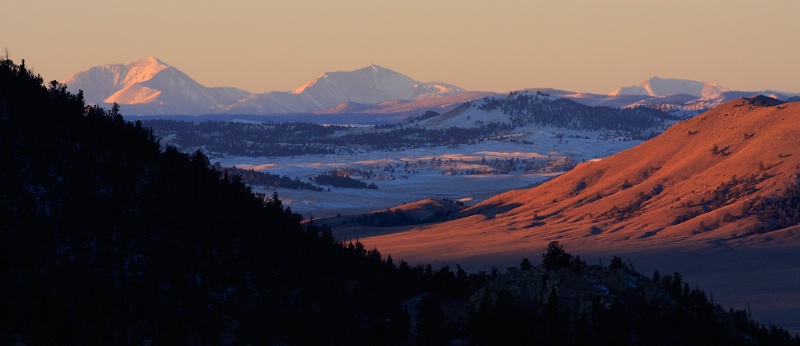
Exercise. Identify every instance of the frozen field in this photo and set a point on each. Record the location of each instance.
(428, 172)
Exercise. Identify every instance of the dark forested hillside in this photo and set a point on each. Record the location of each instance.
(254, 178)
(107, 239)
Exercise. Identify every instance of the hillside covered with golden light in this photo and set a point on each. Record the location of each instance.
(709, 179)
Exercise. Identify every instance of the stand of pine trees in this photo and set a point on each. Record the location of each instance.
(106, 239)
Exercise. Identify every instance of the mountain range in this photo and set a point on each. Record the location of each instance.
(152, 87)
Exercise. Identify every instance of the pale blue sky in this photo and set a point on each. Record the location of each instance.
(500, 45)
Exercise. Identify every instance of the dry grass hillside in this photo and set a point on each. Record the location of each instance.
(704, 181)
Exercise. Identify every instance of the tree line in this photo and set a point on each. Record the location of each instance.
(255, 178)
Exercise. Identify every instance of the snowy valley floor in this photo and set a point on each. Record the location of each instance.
(425, 180)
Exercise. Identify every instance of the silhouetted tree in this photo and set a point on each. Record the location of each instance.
(525, 264)
(555, 257)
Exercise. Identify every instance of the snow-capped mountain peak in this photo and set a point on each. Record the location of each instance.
(369, 85)
(669, 86)
(150, 86)
(101, 82)
(143, 70)
(370, 71)
(366, 84)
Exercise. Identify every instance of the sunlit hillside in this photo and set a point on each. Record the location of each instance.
(715, 177)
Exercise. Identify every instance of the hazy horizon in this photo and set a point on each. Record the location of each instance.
(592, 46)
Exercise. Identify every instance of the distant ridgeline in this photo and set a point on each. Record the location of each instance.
(246, 139)
(272, 139)
(541, 109)
(295, 139)
(107, 239)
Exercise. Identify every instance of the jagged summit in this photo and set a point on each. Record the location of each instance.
(374, 68)
(154, 60)
(149, 63)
